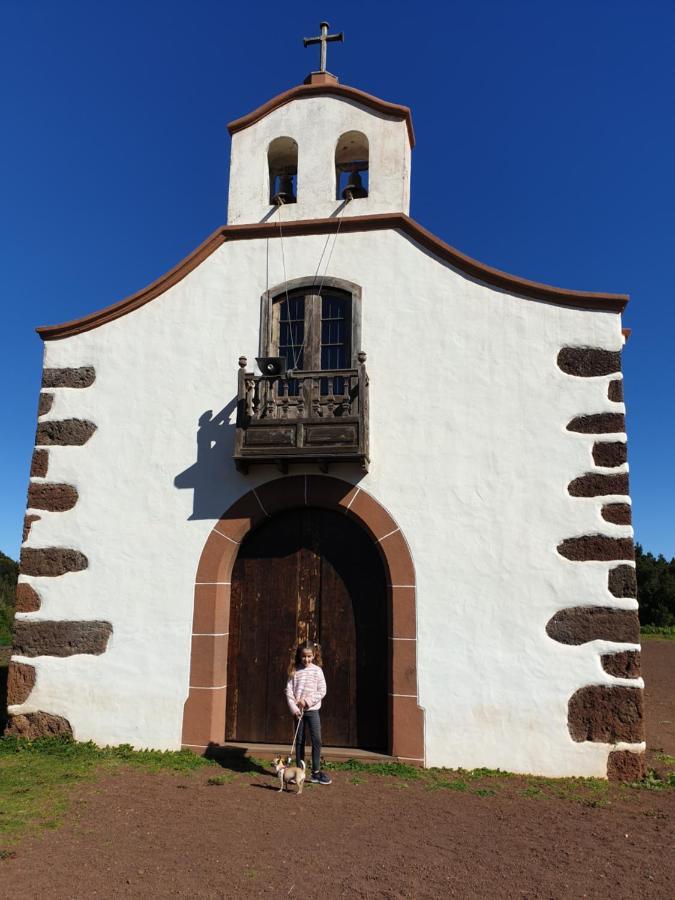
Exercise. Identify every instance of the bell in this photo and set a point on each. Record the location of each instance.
(354, 188)
(284, 192)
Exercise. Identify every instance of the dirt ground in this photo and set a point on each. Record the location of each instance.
(143, 835)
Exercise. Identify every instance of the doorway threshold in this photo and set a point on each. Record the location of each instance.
(268, 751)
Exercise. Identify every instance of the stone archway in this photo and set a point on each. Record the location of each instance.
(204, 713)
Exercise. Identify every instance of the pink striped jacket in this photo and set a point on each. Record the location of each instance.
(307, 684)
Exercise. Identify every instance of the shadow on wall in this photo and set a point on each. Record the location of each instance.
(215, 448)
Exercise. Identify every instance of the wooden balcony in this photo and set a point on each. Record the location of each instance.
(318, 416)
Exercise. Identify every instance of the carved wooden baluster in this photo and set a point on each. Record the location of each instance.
(270, 405)
(316, 398)
(330, 402)
(300, 394)
(283, 393)
(255, 404)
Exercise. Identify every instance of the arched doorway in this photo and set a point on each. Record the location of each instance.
(204, 711)
(308, 573)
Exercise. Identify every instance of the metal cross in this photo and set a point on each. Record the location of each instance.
(323, 39)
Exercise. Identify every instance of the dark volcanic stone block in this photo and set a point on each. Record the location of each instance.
(610, 453)
(625, 664)
(54, 497)
(27, 600)
(580, 624)
(615, 391)
(622, 581)
(66, 432)
(73, 378)
(39, 463)
(60, 638)
(27, 522)
(589, 361)
(20, 682)
(45, 403)
(605, 713)
(593, 484)
(52, 561)
(618, 513)
(596, 547)
(38, 725)
(623, 765)
(598, 423)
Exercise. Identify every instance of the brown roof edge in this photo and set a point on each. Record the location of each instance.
(337, 90)
(391, 221)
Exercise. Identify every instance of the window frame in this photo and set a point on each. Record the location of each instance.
(309, 288)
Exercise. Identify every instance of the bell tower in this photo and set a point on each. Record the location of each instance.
(320, 150)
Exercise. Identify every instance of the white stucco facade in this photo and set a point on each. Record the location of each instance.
(469, 454)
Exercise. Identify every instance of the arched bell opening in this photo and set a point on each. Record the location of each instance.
(282, 161)
(352, 166)
(205, 712)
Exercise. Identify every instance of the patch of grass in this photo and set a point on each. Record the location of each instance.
(484, 792)
(36, 776)
(393, 769)
(657, 633)
(220, 779)
(652, 782)
(532, 791)
(355, 779)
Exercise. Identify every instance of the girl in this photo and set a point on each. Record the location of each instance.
(305, 690)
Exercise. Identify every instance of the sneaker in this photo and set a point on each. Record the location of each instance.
(320, 778)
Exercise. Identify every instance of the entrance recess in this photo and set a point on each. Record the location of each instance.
(308, 573)
(204, 717)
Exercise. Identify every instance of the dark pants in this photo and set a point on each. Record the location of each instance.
(311, 723)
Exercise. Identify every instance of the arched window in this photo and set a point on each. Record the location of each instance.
(314, 327)
(351, 166)
(282, 160)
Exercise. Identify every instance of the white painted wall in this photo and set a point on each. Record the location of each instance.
(316, 123)
(469, 454)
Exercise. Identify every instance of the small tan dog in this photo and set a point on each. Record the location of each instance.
(288, 774)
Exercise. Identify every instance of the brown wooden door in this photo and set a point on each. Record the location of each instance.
(308, 573)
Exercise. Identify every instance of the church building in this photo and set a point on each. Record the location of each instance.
(262, 447)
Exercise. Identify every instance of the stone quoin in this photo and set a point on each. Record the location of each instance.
(427, 473)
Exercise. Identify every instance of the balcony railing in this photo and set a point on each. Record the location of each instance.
(312, 416)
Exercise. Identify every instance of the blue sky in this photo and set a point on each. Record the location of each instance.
(545, 147)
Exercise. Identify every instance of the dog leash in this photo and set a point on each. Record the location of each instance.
(296, 734)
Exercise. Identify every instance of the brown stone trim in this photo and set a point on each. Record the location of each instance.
(598, 423)
(204, 714)
(60, 638)
(622, 581)
(624, 765)
(27, 522)
(610, 454)
(617, 513)
(51, 561)
(323, 89)
(83, 377)
(45, 403)
(596, 547)
(27, 599)
(580, 624)
(39, 464)
(38, 725)
(615, 391)
(594, 484)
(66, 432)
(20, 682)
(53, 497)
(624, 664)
(606, 713)
(587, 362)
(381, 222)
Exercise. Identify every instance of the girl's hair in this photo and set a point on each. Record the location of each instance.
(296, 659)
